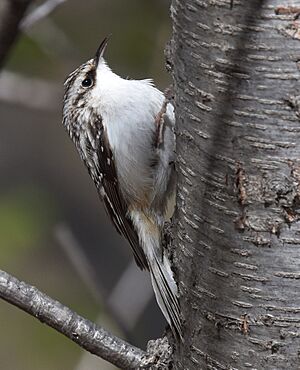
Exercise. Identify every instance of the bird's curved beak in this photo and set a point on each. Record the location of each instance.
(101, 49)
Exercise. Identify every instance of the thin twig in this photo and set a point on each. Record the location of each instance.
(50, 38)
(76, 255)
(87, 334)
(127, 310)
(40, 13)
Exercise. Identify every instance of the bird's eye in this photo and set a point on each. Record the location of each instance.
(87, 82)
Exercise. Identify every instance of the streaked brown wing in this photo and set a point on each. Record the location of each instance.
(115, 204)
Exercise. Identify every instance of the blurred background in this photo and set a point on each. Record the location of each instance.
(54, 233)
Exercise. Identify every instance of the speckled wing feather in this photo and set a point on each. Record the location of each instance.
(108, 187)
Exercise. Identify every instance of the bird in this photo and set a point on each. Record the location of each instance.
(124, 132)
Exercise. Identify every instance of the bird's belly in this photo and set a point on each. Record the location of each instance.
(134, 156)
(135, 178)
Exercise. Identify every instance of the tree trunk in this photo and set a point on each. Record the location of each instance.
(237, 231)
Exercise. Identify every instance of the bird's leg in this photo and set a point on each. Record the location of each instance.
(160, 124)
(159, 119)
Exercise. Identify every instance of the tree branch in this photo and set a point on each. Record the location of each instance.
(80, 330)
(11, 14)
(40, 13)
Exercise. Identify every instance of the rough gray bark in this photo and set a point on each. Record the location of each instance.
(236, 75)
(85, 333)
(11, 14)
(88, 335)
(237, 232)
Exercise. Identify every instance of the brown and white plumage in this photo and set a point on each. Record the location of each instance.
(113, 123)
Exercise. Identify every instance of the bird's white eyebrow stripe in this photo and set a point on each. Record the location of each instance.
(72, 76)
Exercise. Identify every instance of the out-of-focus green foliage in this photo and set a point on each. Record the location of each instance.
(26, 215)
(30, 59)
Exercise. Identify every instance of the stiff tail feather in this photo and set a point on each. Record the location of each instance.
(164, 285)
(166, 292)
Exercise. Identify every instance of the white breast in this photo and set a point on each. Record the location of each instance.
(128, 109)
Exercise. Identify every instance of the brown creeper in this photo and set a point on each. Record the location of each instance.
(127, 143)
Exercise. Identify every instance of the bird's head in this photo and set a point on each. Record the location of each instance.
(81, 89)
